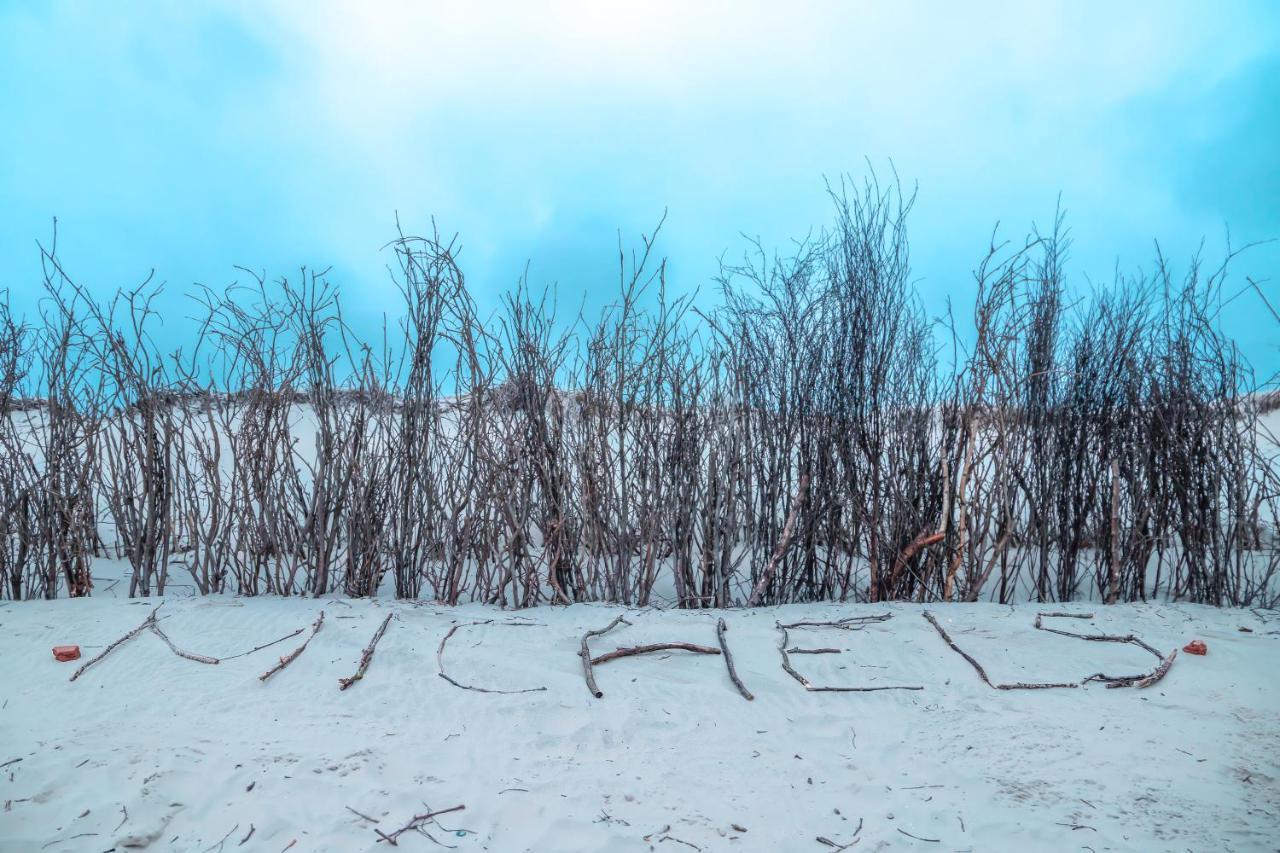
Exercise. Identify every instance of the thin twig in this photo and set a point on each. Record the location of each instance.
(264, 646)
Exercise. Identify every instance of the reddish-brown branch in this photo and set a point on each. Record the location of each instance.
(924, 540)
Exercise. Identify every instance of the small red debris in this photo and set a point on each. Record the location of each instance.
(65, 653)
(1196, 647)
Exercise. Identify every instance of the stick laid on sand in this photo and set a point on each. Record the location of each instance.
(293, 655)
(728, 661)
(367, 656)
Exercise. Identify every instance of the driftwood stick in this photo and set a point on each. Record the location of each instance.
(650, 648)
(445, 676)
(192, 656)
(798, 651)
(1160, 671)
(728, 661)
(150, 620)
(851, 623)
(804, 682)
(585, 654)
(263, 646)
(415, 823)
(293, 655)
(367, 656)
(977, 666)
(1143, 679)
(1097, 638)
(788, 530)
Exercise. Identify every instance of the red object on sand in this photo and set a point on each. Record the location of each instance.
(1196, 647)
(65, 653)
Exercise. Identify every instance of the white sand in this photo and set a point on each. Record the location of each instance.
(672, 754)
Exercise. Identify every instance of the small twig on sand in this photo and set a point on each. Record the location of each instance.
(10, 761)
(790, 670)
(362, 814)
(653, 647)
(245, 840)
(918, 838)
(445, 676)
(72, 838)
(797, 651)
(416, 823)
(728, 660)
(218, 845)
(367, 656)
(264, 645)
(293, 655)
(982, 672)
(585, 654)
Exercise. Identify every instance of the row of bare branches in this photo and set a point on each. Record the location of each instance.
(815, 436)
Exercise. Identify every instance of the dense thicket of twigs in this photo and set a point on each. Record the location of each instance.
(815, 437)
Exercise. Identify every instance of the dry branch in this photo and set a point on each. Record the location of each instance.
(150, 620)
(192, 656)
(585, 654)
(1159, 673)
(1097, 638)
(445, 676)
(728, 661)
(293, 655)
(366, 656)
(851, 623)
(1113, 681)
(790, 670)
(650, 648)
(977, 666)
(417, 822)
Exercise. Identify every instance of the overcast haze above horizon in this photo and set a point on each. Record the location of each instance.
(191, 138)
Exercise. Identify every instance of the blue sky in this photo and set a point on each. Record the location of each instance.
(189, 138)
